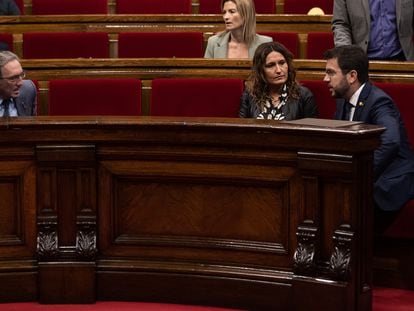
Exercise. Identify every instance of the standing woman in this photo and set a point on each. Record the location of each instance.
(239, 39)
(272, 91)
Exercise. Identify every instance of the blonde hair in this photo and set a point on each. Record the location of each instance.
(247, 12)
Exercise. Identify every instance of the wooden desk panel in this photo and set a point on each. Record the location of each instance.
(228, 212)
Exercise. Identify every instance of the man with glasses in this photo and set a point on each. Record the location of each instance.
(358, 100)
(18, 96)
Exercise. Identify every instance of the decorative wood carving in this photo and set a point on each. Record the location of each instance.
(47, 241)
(304, 259)
(195, 204)
(340, 261)
(86, 240)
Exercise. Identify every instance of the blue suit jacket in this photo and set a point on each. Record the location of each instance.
(26, 101)
(394, 159)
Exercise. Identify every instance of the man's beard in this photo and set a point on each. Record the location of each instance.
(342, 89)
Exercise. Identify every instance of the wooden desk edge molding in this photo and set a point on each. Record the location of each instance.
(250, 214)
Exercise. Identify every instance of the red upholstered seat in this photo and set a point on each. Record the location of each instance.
(65, 45)
(402, 94)
(303, 7)
(402, 226)
(153, 6)
(213, 6)
(54, 7)
(289, 39)
(326, 103)
(318, 43)
(6, 41)
(113, 96)
(160, 44)
(196, 97)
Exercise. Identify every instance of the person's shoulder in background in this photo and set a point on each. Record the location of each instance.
(9, 7)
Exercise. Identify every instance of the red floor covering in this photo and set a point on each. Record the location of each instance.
(385, 299)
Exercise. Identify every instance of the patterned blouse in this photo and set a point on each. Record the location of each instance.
(271, 112)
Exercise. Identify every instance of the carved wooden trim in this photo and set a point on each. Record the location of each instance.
(86, 240)
(339, 263)
(304, 258)
(47, 241)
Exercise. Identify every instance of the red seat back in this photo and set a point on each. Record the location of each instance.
(289, 39)
(318, 43)
(6, 41)
(326, 103)
(54, 7)
(160, 44)
(214, 6)
(196, 97)
(303, 7)
(153, 7)
(65, 45)
(115, 96)
(402, 94)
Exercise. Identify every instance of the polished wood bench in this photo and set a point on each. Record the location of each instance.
(279, 6)
(114, 24)
(147, 69)
(242, 213)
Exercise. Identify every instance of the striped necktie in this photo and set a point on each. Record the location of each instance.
(6, 104)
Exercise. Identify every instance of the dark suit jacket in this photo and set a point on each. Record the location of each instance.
(9, 7)
(26, 101)
(394, 159)
(304, 107)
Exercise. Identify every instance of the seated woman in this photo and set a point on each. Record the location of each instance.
(239, 39)
(272, 91)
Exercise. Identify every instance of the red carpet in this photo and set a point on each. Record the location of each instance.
(105, 306)
(385, 299)
(390, 299)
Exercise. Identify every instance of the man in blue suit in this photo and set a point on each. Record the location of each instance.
(358, 100)
(17, 96)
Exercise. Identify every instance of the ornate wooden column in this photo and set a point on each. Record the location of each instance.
(66, 240)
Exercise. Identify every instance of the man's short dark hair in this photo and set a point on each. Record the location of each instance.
(350, 57)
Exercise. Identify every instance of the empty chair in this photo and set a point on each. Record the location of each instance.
(289, 39)
(65, 45)
(53, 7)
(303, 7)
(160, 44)
(6, 42)
(318, 43)
(213, 6)
(196, 97)
(153, 7)
(326, 103)
(114, 96)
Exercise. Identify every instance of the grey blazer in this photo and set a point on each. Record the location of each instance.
(351, 24)
(9, 7)
(26, 101)
(217, 45)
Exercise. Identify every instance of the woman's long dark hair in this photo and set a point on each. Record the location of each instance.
(257, 85)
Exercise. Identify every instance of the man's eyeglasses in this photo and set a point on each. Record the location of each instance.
(15, 78)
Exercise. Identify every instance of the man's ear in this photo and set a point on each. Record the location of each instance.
(352, 76)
